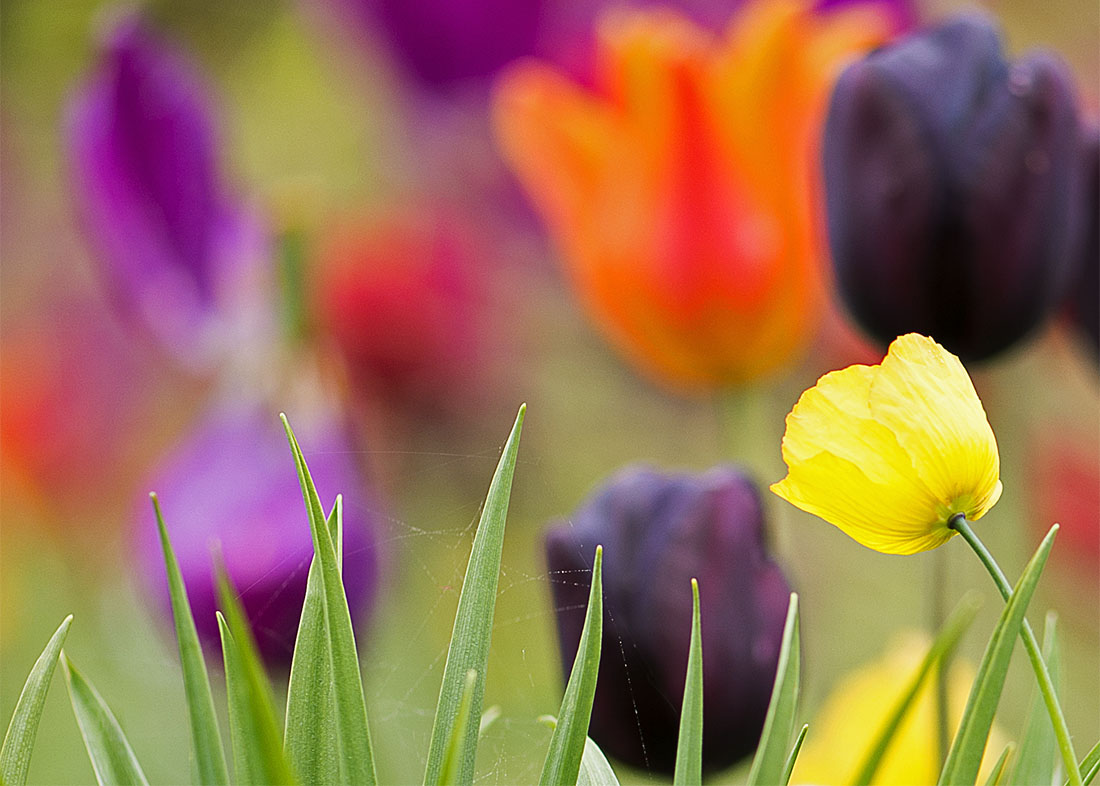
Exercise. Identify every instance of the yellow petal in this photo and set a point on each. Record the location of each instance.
(858, 707)
(889, 453)
(924, 396)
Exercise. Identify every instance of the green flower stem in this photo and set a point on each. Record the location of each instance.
(1042, 675)
(939, 584)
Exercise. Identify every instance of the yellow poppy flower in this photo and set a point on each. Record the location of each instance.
(855, 712)
(889, 453)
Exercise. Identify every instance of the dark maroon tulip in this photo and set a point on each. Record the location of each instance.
(1085, 295)
(953, 188)
(658, 532)
(177, 250)
(232, 484)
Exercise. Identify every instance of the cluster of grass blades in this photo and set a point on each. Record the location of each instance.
(324, 736)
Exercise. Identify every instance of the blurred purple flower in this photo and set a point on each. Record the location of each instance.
(953, 188)
(233, 483)
(658, 531)
(177, 250)
(444, 42)
(1085, 296)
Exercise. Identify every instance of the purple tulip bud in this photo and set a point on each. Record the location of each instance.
(658, 532)
(232, 485)
(953, 188)
(176, 250)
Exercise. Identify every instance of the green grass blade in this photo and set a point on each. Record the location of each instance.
(940, 651)
(339, 682)
(771, 754)
(113, 760)
(689, 745)
(567, 743)
(1090, 775)
(15, 755)
(595, 769)
(311, 694)
(1038, 747)
(965, 756)
(210, 766)
(788, 768)
(997, 774)
(455, 753)
(1090, 765)
(469, 648)
(258, 755)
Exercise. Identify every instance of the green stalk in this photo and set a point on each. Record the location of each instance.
(939, 584)
(1042, 675)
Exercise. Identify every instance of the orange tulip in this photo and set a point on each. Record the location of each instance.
(681, 190)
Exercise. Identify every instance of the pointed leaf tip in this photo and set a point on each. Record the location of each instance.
(18, 745)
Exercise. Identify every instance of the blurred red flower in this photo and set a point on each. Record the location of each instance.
(403, 302)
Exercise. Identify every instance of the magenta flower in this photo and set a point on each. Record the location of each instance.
(445, 42)
(176, 249)
(232, 485)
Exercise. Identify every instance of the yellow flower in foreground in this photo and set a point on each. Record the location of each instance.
(854, 714)
(889, 453)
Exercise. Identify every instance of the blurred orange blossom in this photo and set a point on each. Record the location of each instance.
(681, 190)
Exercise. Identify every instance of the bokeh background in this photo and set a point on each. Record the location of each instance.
(331, 137)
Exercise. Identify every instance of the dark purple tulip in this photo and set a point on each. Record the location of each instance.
(233, 483)
(1085, 296)
(658, 532)
(953, 188)
(175, 247)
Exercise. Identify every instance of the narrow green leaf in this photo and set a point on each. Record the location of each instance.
(1090, 775)
(567, 743)
(15, 755)
(312, 719)
(210, 766)
(689, 745)
(997, 774)
(771, 754)
(328, 665)
(258, 756)
(788, 768)
(965, 756)
(469, 648)
(1090, 765)
(113, 760)
(454, 753)
(940, 651)
(595, 769)
(1038, 747)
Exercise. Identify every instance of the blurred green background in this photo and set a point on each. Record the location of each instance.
(299, 114)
